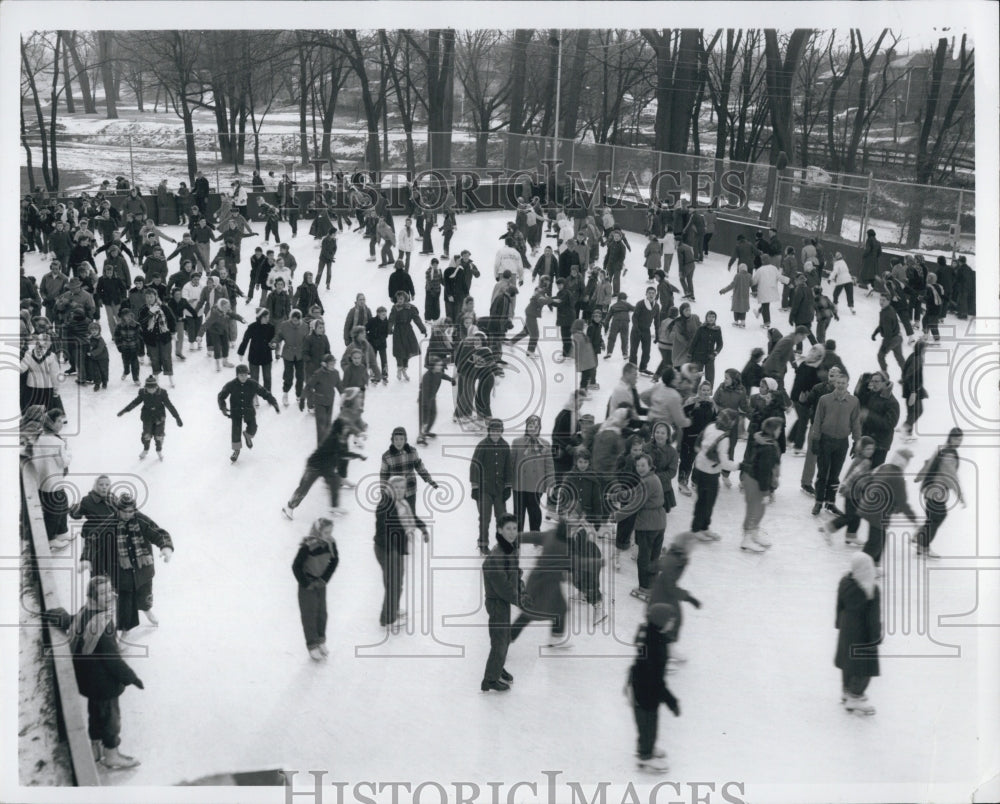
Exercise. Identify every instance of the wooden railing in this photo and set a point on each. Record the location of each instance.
(69, 703)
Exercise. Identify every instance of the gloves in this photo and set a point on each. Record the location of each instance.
(166, 553)
(694, 601)
(225, 412)
(873, 337)
(84, 566)
(434, 484)
(180, 423)
(139, 684)
(672, 703)
(475, 494)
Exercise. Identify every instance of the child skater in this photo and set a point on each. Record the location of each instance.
(427, 397)
(97, 357)
(155, 403)
(314, 565)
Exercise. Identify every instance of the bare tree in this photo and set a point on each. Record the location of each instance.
(31, 69)
(678, 72)
(71, 44)
(482, 69)
(518, 84)
(780, 76)
(438, 56)
(105, 45)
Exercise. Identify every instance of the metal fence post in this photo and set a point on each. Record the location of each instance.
(215, 147)
(958, 224)
(131, 161)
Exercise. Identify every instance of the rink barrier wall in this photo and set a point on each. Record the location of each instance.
(631, 216)
(69, 703)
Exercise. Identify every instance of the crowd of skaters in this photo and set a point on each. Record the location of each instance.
(607, 483)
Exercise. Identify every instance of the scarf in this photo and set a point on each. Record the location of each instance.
(87, 628)
(158, 320)
(130, 533)
(934, 288)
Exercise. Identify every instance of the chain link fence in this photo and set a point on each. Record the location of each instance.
(803, 201)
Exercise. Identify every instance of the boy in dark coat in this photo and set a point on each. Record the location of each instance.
(155, 402)
(240, 393)
(491, 476)
(324, 462)
(97, 357)
(618, 319)
(321, 390)
(647, 685)
(101, 673)
(503, 589)
(888, 327)
(128, 340)
(377, 332)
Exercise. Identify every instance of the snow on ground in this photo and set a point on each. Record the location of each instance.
(229, 685)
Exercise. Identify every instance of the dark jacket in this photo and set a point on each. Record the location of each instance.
(103, 674)
(860, 629)
(317, 559)
(240, 396)
(404, 341)
(502, 574)
(155, 405)
(888, 324)
(646, 676)
(801, 311)
(706, 344)
(400, 280)
(258, 337)
(377, 332)
(492, 468)
(151, 332)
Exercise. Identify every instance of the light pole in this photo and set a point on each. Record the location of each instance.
(555, 126)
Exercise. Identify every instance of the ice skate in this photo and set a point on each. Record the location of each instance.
(833, 509)
(288, 512)
(618, 560)
(749, 544)
(124, 376)
(153, 619)
(640, 592)
(633, 552)
(60, 543)
(858, 704)
(653, 765)
(599, 613)
(338, 511)
(926, 552)
(316, 654)
(851, 540)
(159, 454)
(761, 537)
(347, 484)
(143, 454)
(116, 760)
(817, 508)
(498, 686)
(234, 456)
(563, 643)
(683, 488)
(323, 649)
(97, 747)
(727, 482)
(135, 381)
(399, 375)
(709, 536)
(808, 489)
(658, 753)
(227, 364)
(406, 377)
(248, 439)
(284, 399)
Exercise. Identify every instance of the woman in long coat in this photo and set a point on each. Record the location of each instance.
(404, 342)
(870, 259)
(860, 631)
(740, 286)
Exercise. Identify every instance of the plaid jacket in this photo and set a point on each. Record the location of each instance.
(404, 462)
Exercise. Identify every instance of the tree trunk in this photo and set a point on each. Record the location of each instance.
(780, 76)
(241, 137)
(925, 164)
(512, 153)
(68, 84)
(571, 107)
(222, 123)
(303, 101)
(138, 92)
(548, 129)
(685, 90)
(440, 94)
(192, 154)
(107, 74)
(27, 154)
(83, 79)
(328, 113)
(53, 112)
(30, 75)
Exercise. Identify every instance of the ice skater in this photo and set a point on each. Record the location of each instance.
(859, 630)
(155, 403)
(314, 565)
(240, 393)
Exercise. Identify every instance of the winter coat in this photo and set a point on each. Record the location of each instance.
(405, 462)
(155, 405)
(859, 626)
(42, 373)
(356, 318)
(317, 559)
(217, 323)
(740, 286)
(377, 332)
(646, 675)
(762, 462)
(704, 462)
(684, 331)
(706, 344)
(608, 447)
(305, 297)
(258, 337)
(870, 260)
(665, 464)
(801, 311)
(492, 468)
(653, 255)
(744, 253)
(583, 352)
(502, 574)
(664, 405)
(542, 590)
(321, 385)
(732, 397)
(806, 377)
(391, 530)
(101, 675)
(888, 324)
(240, 396)
(647, 500)
(841, 274)
(279, 305)
(585, 488)
(767, 280)
(152, 332)
(313, 350)
(533, 466)
(879, 418)
(111, 290)
(404, 341)
(776, 363)
(399, 280)
(291, 339)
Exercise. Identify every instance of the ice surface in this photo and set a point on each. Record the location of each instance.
(229, 685)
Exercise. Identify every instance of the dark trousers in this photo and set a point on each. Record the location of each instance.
(257, 370)
(97, 370)
(705, 240)
(650, 543)
(821, 325)
(466, 389)
(849, 518)
(647, 722)
(161, 358)
(484, 390)
(765, 312)
(130, 363)
(855, 685)
(293, 369)
(587, 378)
(271, 229)
(894, 345)
(324, 418)
(104, 721)
(387, 258)
(327, 263)
(687, 279)
(848, 290)
(151, 430)
(391, 562)
(447, 243)
(528, 502)
(615, 275)
(558, 623)
(798, 434)
(55, 506)
(293, 219)
(902, 308)
(876, 540)
(531, 331)
(830, 455)
(567, 339)
(489, 504)
(238, 419)
(615, 330)
(428, 414)
(879, 456)
(499, 614)
(130, 601)
(623, 532)
(707, 486)
(666, 359)
(312, 610)
(937, 512)
(640, 337)
(930, 324)
(383, 361)
(310, 476)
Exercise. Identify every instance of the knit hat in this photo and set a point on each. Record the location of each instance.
(126, 500)
(151, 382)
(74, 282)
(399, 431)
(494, 424)
(768, 384)
(659, 614)
(261, 311)
(242, 368)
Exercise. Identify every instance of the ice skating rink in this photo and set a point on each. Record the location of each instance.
(230, 686)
